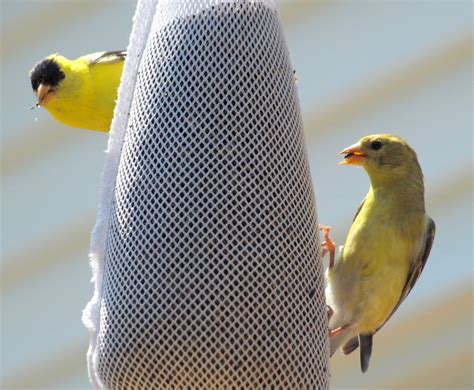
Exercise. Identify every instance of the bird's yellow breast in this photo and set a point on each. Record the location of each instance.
(87, 96)
(369, 277)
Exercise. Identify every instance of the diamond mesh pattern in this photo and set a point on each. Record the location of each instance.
(212, 274)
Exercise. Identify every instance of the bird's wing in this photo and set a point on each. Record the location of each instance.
(105, 57)
(341, 248)
(358, 209)
(416, 266)
(415, 272)
(353, 343)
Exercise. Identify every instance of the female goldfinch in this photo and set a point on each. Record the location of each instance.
(386, 248)
(79, 93)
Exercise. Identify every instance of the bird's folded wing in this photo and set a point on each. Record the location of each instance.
(417, 265)
(358, 209)
(105, 57)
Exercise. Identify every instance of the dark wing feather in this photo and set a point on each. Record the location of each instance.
(358, 210)
(106, 57)
(416, 267)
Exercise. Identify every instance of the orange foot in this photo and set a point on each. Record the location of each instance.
(335, 332)
(328, 245)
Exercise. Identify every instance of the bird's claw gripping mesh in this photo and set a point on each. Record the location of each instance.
(211, 273)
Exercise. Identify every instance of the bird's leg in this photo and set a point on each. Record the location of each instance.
(328, 245)
(330, 312)
(336, 331)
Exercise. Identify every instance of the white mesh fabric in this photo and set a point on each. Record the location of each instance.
(211, 270)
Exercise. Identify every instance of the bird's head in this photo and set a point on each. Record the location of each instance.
(383, 156)
(46, 77)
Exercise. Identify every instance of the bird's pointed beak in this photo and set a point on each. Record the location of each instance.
(44, 93)
(352, 155)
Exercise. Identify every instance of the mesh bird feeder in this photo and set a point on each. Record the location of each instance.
(206, 252)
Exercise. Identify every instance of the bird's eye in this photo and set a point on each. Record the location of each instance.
(376, 145)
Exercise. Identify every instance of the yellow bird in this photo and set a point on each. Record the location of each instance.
(386, 248)
(79, 93)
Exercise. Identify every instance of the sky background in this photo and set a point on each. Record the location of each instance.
(403, 67)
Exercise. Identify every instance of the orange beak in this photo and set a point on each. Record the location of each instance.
(44, 93)
(352, 155)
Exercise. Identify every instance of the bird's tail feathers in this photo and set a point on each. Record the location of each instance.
(350, 346)
(365, 341)
(337, 341)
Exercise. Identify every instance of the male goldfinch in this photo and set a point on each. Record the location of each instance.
(82, 92)
(386, 248)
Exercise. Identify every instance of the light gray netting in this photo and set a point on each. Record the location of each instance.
(212, 276)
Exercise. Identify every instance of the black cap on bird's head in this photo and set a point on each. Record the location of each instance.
(45, 78)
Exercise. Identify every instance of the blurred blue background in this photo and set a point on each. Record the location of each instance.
(364, 67)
